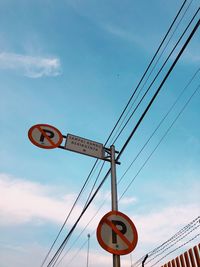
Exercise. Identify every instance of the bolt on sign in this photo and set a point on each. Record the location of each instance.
(84, 146)
(116, 233)
(45, 136)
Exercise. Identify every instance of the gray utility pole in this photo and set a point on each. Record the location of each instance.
(116, 258)
(88, 250)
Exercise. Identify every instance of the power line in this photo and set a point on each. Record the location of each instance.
(116, 136)
(87, 180)
(180, 113)
(147, 69)
(171, 108)
(95, 182)
(165, 248)
(54, 259)
(189, 241)
(82, 232)
(159, 88)
(184, 231)
(152, 101)
(72, 208)
(159, 142)
(153, 133)
(155, 78)
(61, 250)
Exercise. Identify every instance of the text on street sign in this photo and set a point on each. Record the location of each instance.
(84, 146)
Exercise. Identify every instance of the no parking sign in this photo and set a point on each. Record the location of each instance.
(45, 136)
(116, 233)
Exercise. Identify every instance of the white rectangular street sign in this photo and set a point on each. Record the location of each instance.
(84, 146)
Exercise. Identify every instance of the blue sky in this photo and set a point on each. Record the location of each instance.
(74, 64)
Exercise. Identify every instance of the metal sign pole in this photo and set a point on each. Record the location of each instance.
(116, 258)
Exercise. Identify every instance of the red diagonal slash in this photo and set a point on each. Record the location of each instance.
(46, 136)
(114, 228)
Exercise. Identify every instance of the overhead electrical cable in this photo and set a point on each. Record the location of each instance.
(159, 88)
(159, 142)
(182, 245)
(83, 208)
(189, 228)
(164, 49)
(84, 230)
(54, 259)
(95, 182)
(178, 98)
(159, 124)
(153, 67)
(155, 78)
(115, 137)
(171, 108)
(174, 20)
(173, 244)
(86, 182)
(154, 150)
(147, 69)
(72, 208)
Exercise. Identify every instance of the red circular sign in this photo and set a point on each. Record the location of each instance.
(45, 136)
(116, 233)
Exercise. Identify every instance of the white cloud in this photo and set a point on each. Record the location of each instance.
(122, 34)
(31, 255)
(192, 56)
(30, 66)
(23, 201)
(162, 224)
(128, 201)
(106, 197)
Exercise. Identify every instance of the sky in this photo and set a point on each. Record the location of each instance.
(74, 64)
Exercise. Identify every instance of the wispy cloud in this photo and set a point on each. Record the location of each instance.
(192, 56)
(24, 201)
(128, 201)
(162, 224)
(122, 34)
(30, 66)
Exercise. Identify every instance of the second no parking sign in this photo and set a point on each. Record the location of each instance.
(116, 233)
